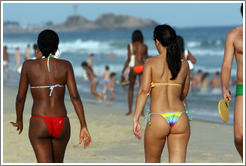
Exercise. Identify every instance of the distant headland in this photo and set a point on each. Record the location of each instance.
(77, 23)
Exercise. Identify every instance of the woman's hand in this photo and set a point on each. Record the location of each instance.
(85, 137)
(137, 129)
(19, 126)
(123, 77)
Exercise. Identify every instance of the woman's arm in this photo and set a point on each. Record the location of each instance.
(191, 58)
(127, 61)
(146, 53)
(78, 106)
(21, 97)
(142, 98)
(186, 86)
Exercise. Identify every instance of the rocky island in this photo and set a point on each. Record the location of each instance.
(105, 21)
(77, 23)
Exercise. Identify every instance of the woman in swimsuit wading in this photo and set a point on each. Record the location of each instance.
(49, 129)
(137, 53)
(166, 80)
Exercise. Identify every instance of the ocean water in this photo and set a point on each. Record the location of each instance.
(205, 43)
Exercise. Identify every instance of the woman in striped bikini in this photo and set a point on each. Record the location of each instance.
(166, 80)
(49, 129)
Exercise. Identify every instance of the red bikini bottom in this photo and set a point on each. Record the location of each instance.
(54, 124)
(138, 69)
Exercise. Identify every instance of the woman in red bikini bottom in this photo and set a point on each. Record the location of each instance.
(139, 52)
(49, 129)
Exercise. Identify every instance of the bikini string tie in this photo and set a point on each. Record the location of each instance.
(152, 85)
(48, 61)
(147, 117)
(52, 88)
(187, 112)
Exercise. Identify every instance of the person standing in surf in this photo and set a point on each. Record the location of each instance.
(6, 62)
(93, 81)
(18, 59)
(137, 53)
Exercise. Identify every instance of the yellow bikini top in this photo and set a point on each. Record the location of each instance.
(153, 84)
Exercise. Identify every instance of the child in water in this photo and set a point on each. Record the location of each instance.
(106, 79)
(111, 87)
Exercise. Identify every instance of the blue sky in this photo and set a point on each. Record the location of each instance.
(176, 14)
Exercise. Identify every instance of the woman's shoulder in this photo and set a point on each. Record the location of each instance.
(63, 62)
(151, 61)
(33, 62)
(153, 58)
(28, 65)
(144, 46)
(30, 62)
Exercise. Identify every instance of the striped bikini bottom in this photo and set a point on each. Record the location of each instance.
(171, 117)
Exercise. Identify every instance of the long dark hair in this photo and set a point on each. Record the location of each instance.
(180, 41)
(241, 9)
(48, 41)
(167, 37)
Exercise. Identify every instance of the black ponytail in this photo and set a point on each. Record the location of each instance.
(167, 37)
(173, 58)
(242, 9)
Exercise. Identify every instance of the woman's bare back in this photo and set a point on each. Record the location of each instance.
(166, 98)
(38, 76)
(140, 52)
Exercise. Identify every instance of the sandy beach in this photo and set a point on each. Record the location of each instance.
(112, 137)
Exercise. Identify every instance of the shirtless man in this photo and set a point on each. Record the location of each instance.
(234, 46)
(215, 83)
(93, 81)
(6, 61)
(139, 51)
(27, 52)
(17, 59)
(197, 81)
(111, 87)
